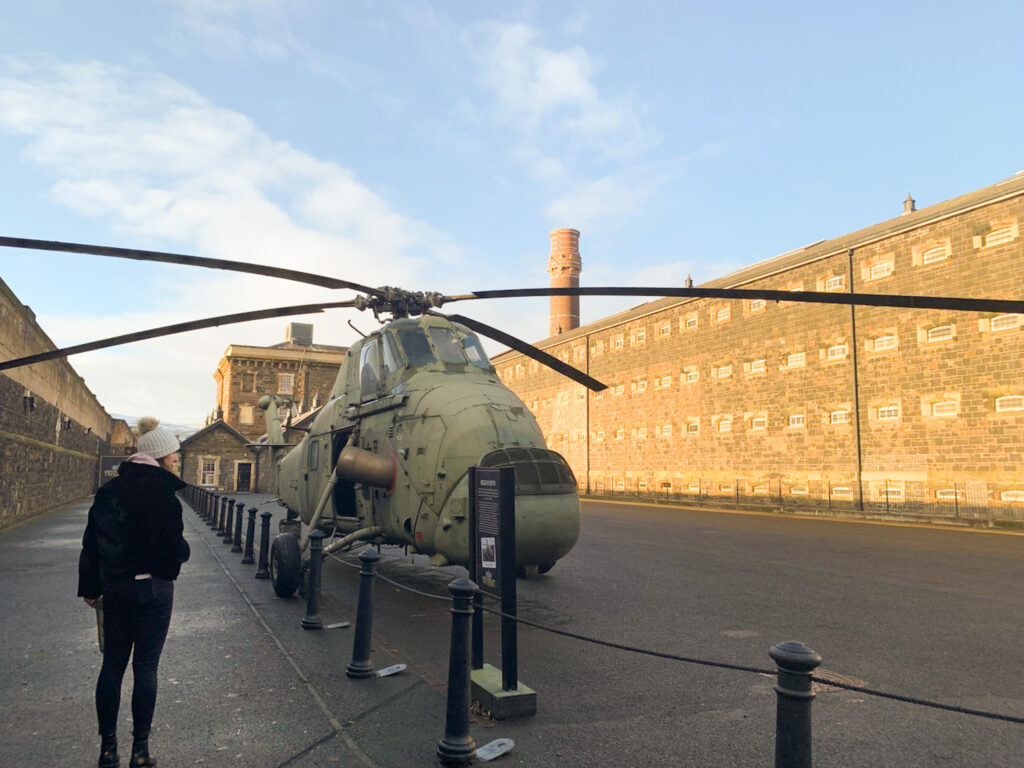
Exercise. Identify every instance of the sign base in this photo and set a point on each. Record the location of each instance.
(501, 705)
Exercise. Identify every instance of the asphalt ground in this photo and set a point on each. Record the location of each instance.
(933, 613)
(241, 683)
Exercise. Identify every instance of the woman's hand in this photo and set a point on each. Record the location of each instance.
(90, 601)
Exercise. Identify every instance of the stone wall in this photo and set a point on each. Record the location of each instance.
(226, 450)
(741, 396)
(45, 461)
(52, 428)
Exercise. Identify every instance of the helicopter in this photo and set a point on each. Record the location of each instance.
(415, 404)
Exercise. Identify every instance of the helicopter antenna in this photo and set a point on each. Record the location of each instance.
(350, 325)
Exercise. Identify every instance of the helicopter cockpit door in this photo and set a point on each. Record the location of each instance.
(313, 482)
(369, 371)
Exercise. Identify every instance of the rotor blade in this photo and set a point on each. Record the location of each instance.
(529, 350)
(1007, 306)
(191, 261)
(170, 330)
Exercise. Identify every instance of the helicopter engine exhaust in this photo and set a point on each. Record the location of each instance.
(362, 466)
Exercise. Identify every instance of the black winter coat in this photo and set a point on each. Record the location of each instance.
(134, 527)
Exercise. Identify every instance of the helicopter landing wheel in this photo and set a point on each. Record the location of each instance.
(285, 564)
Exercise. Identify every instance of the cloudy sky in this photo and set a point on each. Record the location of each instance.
(434, 145)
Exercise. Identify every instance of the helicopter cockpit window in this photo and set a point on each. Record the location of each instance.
(475, 353)
(417, 348)
(447, 345)
(392, 359)
(369, 371)
(537, 470)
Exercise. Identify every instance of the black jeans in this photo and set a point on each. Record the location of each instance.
(136, 615)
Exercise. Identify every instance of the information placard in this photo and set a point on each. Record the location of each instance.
(108, 467)
(492, 513)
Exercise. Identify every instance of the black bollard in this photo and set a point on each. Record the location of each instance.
(796, 663)
(361, 666)
(316, 560)
(211, 513)
(221, 513)
(457, 747)
(239, 509)
(247, 556)
(263, 569)
(229, 535)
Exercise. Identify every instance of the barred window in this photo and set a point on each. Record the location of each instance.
(940, 333)
(880, 270)
(796, 360)
(1000, 235)
(837, 352)
(883, 343)
(836, 283)
(934, 254)
(797, 420)
(1006, 322)
(888, 413)
(945, 408)
(839, 417)
(1010, 403)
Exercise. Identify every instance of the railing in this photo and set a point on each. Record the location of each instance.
(965, 501)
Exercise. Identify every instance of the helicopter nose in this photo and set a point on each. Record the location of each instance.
(547, 527)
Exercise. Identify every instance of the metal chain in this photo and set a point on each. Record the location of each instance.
(716, 664)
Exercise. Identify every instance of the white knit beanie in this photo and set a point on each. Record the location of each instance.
(158, 443)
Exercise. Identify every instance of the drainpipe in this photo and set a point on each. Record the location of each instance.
(586, 417)
(856, 391)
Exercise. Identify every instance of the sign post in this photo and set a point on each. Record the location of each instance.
(492, 517)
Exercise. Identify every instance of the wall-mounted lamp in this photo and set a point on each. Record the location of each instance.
(67, 422)
(29, 401)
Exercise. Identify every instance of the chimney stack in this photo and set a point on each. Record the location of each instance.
(564, 267)
(909, 205)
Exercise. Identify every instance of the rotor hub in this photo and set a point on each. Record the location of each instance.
(398, 302)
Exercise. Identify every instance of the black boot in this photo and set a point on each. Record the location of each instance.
(140, 754)
(108, 751)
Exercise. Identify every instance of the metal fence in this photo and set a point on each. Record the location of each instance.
(961, 500)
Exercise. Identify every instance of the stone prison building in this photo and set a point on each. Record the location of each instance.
(790, 403)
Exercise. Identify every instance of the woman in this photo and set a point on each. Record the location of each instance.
(132, 552)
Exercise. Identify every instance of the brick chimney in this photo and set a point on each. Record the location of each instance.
(564, 267)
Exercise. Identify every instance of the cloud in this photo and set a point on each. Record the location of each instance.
(605, 203)
(261, 29)
(550, 95)
(154, 160)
